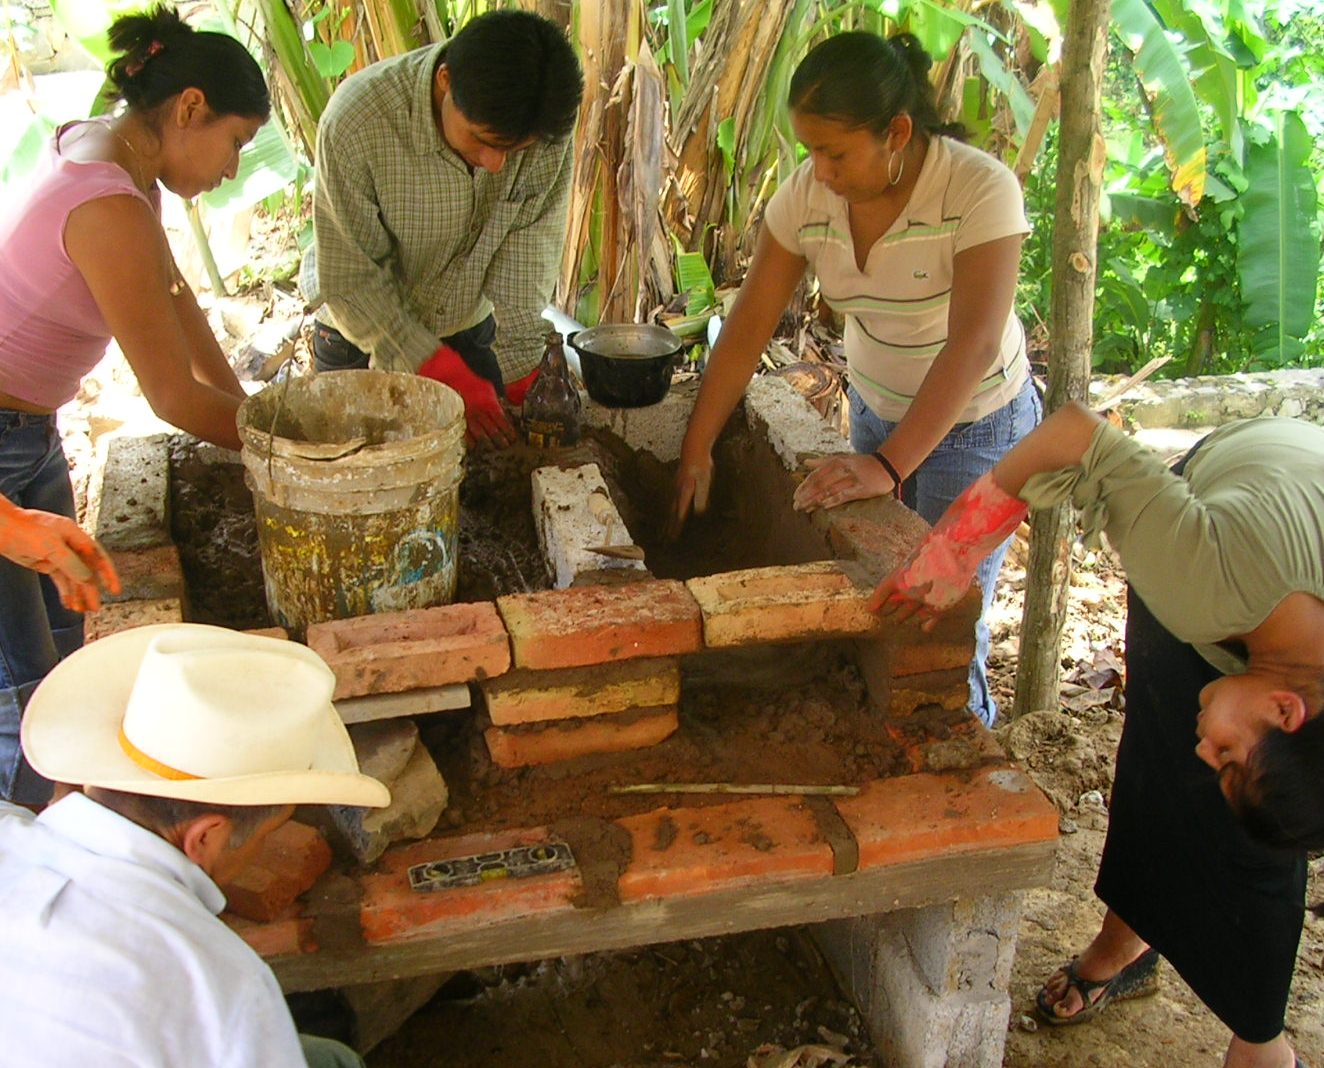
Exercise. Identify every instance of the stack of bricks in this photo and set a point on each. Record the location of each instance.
(593, 669)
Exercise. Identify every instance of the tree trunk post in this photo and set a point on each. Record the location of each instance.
(1081, 155)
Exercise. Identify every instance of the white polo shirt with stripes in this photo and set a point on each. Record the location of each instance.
(896, 309)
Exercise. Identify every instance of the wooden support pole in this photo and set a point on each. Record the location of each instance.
(1081, 156)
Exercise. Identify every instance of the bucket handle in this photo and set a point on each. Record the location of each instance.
(271, 430)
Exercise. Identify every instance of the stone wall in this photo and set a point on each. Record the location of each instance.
(1211, 400)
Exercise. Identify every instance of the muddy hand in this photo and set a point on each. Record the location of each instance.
(838, 479)
(694, 479)
(56, 546)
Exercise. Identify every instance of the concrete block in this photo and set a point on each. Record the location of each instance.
(291, 859)
(418, 798)
(123, 615)
(562, 740)
(966, 946)
(129, 495)
(599, 624)
(383, 749)
(523, 696)
(912, 1025)
(778, 604)
(148, 574)
(790, 423)
(572, 510)
(658, 429)
(424, 647)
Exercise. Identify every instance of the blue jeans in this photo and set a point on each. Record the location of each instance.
(333, 351)
(36, 631)
(962, 456)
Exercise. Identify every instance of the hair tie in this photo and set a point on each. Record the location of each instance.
(134, 68)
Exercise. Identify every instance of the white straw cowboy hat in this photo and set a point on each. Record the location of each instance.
(197, 713)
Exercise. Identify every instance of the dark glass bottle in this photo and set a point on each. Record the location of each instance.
(552, 405)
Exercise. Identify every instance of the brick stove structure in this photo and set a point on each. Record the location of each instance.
(911, 883)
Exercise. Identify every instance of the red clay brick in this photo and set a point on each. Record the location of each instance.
(270, 632)
(776, 604)
(882, 543)
(292, 858)
(523, 696)
(393, 912)
(635, 729)
(148, 574)
(600, 624)
(397, 651)
(922, 656)
(285, 936)
(699, 850)
(950, 689)
(916, 816)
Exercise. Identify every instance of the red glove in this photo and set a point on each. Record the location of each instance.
(56, 546)
(943, 565)
(516, 390)
(483, 417)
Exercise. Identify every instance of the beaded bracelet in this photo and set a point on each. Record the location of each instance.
(892, 472)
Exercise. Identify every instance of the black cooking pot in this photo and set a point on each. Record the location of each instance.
(626, 365)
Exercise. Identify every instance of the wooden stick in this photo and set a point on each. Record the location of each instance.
(733, 788)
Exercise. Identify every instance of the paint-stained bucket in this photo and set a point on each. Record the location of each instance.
(355, 478)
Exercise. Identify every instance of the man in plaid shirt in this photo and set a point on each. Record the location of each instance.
(439, 212)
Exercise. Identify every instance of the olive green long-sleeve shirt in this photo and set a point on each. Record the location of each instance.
(408, 245)
(1213, 551)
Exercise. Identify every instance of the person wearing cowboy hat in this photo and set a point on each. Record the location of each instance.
(192, 745)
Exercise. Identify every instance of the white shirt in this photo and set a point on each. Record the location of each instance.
(896, 308)
(111, 954)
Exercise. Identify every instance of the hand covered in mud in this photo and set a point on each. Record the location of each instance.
(56, 546)
(485, 421)
(943, 565)
(837, 479)
(694, 480)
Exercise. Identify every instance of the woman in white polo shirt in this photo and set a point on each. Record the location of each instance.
(915, 238)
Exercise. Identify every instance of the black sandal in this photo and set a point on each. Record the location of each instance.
(1137, 980)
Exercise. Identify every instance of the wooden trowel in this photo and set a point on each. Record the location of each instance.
(605, 513)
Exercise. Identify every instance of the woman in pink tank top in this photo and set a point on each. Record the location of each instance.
(84, 259)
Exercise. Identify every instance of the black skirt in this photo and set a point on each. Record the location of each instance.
(1225, 911)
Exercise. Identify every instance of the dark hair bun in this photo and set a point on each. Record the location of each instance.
(911, 52)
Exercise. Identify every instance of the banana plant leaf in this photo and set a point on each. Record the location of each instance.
(1164, 76)
(265, 166)
(1278, 250)
(87, 21)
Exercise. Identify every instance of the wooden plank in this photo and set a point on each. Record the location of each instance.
(409, 703)
(875, 890)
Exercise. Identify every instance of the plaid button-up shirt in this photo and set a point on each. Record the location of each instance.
(408, 246)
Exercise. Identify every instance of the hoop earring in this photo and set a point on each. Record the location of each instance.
(891, 180)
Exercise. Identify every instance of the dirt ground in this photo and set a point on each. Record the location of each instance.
(765, 999)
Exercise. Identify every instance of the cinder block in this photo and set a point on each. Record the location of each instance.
(418, 798)
(685, 851)
(129, 495)
(148, 574)
(291, 859)
(392, 911)
(524, 696)
(599, 624)
(563, 740)
(913, 1025)
(965, 946)
(658, 429)
(573, 510)
(779, 604)
(791, 425)
(912, 817)
(424, 647)
(124, 615)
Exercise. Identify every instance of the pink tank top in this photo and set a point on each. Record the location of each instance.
(51, 330)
